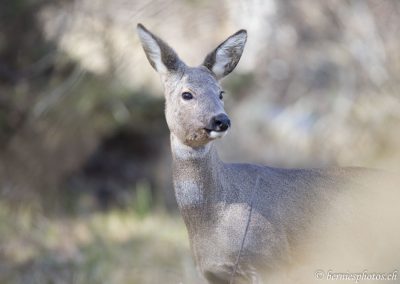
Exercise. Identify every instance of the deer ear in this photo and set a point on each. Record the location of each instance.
(226, 56)
(160, 55)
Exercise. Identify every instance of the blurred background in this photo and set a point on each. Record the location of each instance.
(85, 178)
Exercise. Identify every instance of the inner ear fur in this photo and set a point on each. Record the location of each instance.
(222, 60)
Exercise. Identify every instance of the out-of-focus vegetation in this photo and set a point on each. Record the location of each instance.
(85, 178)
(112, 247)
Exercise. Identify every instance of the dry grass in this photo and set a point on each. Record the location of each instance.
(114, 247)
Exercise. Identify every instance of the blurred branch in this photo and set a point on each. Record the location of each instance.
(56, 95)
(13, 76)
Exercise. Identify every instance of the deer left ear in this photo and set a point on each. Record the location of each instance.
(226, 56)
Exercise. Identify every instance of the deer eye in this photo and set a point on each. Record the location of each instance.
(221, 95)
(187, 96)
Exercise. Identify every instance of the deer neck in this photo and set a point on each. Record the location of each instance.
(196, 174)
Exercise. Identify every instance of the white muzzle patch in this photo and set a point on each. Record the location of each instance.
(217, 134)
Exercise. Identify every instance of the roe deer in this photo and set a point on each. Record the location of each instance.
(243, 220)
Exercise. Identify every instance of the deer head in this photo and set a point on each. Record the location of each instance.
(194, 98)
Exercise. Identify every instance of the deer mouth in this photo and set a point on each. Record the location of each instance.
(214, 134)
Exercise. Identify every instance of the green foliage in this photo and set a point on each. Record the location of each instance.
(143, 199)
(110, 248)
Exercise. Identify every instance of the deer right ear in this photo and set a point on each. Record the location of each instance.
(160, 55)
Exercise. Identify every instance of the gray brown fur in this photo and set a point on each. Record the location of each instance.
(215, 197)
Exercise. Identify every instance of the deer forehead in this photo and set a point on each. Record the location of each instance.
(195, 79)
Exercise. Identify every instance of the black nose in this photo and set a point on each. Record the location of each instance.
(221, 122)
